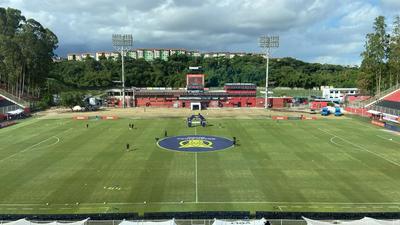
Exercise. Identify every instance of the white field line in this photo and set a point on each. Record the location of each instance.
(26, 149)
(27, 124)
(281, 204)
(306, 203)
(46, 146)
(390, 131)
(195, 169)
(388, 139)
(33, 146)
(362, 148)
(197, 193)
(333, 142)
(361, 124)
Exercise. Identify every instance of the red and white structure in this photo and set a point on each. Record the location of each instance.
(194, 96)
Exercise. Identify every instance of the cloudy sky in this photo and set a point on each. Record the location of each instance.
(326, 31)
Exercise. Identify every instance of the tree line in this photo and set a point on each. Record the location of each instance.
(27, 69)
(26, 51)
(284, 72)
(380, 67)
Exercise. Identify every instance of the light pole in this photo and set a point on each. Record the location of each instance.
(266, 43)
(122, 43)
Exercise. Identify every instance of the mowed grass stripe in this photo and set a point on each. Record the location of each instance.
(90, 164)
(167, 175)
(29, 136)
(368, 172)
(40, 170)
(290, 164)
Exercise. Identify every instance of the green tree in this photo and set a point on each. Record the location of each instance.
(26, 50)
(286, 72)
(376, 53)
(394, 53)
(71, 99)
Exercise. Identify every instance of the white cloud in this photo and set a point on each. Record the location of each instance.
(392, 4)
(310, 29)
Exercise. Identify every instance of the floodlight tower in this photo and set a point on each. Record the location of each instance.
(266, 43)
(122, 43)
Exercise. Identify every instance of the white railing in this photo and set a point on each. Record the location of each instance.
(14, 99)
(394, 112)
(5, 109)
(382, 94)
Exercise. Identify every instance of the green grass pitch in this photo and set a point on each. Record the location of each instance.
(60, 166)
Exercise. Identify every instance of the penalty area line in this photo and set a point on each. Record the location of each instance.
(32, 147)
(388, 139)
(362, 148)
(281, 204)
(333, 142)
(28, 148)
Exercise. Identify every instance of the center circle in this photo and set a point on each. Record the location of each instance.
(195, 143)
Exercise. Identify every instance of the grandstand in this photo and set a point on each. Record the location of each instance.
(233, 95)
(391, 101)
(387, 102)
(6, 106)
(195, 93)
(5, 103)
(10, 103)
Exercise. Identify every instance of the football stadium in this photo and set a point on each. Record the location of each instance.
(64, 166)
(170, 136)
(166, 159)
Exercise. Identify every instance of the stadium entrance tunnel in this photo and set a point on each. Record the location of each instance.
(195, 143)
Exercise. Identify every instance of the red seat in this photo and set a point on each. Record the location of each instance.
(394, 97)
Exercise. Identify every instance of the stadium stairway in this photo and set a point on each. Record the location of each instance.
(384, 94)
(389, 103)
(9, 102)
(14, 99)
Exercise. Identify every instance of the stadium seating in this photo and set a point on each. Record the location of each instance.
(394, 97)
(389, 104)
(4, 102)
(391, 101)
(14, 99)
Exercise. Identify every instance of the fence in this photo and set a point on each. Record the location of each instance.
(358, 111)
(202, 217)
(394, 112)
(177, 221)
(5, 109)
(380, 95)
(295, 92)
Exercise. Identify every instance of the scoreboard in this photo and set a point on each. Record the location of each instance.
(195, 79)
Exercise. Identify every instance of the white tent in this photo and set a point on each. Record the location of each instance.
(77, 108)
(168, 222)
(374, 112)
(240, 222)
(363, 221)
(15, 112)
(26, 222)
